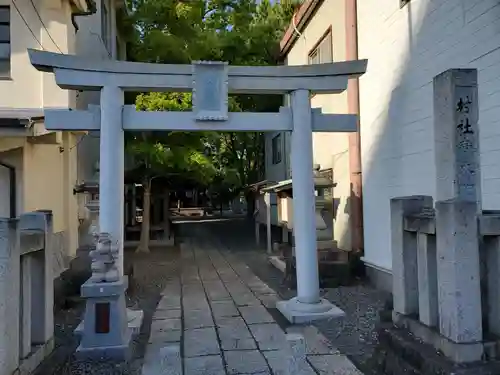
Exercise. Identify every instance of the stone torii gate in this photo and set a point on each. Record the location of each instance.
(210, 82)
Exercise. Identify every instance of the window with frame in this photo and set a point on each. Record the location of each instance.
(4, 41)
(322, 53)
(276, 149)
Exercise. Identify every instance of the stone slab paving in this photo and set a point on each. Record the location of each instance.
(214, 320)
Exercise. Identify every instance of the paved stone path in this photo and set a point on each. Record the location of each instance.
(213, 319)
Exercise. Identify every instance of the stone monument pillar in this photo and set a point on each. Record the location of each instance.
(458, 193)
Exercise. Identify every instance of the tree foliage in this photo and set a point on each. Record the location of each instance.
(158, 154)
(241, 32)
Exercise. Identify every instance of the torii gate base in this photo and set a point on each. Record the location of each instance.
(210, 83)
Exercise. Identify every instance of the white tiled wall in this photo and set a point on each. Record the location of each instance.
(406, 48)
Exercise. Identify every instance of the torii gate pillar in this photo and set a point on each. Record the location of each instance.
(308, 305)
(112, 166)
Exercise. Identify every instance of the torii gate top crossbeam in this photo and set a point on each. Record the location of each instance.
(76, 73)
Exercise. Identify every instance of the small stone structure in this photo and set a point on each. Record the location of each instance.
(445, 256)
(332, 262)
(26, 291)
(108, 325)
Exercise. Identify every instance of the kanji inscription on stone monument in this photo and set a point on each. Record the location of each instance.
(466, 142)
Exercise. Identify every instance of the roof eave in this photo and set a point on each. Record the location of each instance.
(301, 17)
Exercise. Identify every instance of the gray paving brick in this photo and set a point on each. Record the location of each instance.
(224, 309)
(202, 341)
(269, 300)
(166, 325)
(192, 290)
(255, 314)
(277, 362)
(162, 337)
(316, 343)
(233, 343)
(245, 362)
(209, 276)
(195, 303)
(333, 364)
(245, 299)
(236, 288)
(235, 323)
(166, 314)
(163, 360)
(234, 335)
(216, 291)
(171, 289)
(206, 365)
(268, 336)
(169, 302)
(261, 289)
(198, 319)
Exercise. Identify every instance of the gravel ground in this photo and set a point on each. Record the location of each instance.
(354, 336)
(150, 273)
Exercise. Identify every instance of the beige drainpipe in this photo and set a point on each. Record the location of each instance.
(357, 241)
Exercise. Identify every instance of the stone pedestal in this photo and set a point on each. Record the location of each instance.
(108, 326)
(105, 331)
(458, 272)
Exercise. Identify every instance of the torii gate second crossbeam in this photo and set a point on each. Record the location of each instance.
(210, 82)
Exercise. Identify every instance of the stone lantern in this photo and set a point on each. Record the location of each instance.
(89, 205)
(284, 191)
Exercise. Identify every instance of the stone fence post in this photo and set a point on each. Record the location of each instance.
(404, 253)
(43, 279)
(9, 295)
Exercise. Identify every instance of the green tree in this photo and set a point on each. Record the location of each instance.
(164, 154)
(242, 32)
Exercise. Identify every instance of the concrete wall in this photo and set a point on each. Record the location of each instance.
(52, 188)
(406, 48)
(330, 149)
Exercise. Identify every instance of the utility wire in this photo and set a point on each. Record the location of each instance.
(27, 25)
(45, 27)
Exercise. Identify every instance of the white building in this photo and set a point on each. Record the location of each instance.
(407, 43)
(319, 35)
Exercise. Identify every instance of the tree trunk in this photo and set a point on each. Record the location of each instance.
(166, 215)
(146, 219)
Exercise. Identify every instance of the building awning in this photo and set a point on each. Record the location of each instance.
(286, 185)
(20, 117)
(259, 185)
(87, 187)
